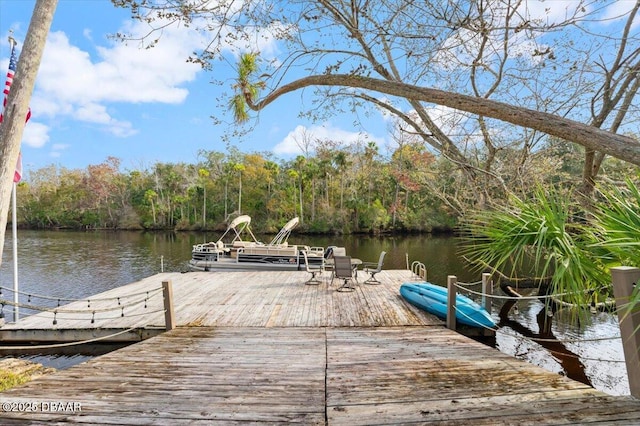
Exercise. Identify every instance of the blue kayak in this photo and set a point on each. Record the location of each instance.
(433, 299)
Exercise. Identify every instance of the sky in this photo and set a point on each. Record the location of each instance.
(96, 97)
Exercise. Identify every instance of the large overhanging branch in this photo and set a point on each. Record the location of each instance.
(616, 145)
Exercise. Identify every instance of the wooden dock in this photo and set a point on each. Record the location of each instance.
(223, 299)
(265, 348)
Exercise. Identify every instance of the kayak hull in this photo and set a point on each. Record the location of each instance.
(433, 299)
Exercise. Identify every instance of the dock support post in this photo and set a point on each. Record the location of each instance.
(624, 280)
(167, 293)
(451, 301)
(487, 292)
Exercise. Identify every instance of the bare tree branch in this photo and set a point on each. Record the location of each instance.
(616, 145)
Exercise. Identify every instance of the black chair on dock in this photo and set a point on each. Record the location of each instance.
(343, 270)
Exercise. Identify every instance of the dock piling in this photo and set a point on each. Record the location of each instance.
(451, 301)
(167, 293)
(624, 280)
(487, 292)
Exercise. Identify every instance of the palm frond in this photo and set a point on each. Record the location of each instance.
(537, 236)
(618, 223)
(238, 106)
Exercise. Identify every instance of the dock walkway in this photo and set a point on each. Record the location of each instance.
(265, 348)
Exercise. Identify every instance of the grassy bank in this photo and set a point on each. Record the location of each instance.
(15, 372)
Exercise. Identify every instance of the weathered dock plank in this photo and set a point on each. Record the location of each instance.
(195, 374)
(230, 299)
(430, 375)
(316, 375)
(264, 347)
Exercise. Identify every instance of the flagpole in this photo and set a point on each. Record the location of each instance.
(14, 227)
(14, 221)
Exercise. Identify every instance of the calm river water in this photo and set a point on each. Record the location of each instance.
(79, 264)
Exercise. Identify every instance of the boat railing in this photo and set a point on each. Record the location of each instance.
(269, 250)
(206, 248)
(205, 254)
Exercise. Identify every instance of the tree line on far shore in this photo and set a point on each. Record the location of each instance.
(333, 188)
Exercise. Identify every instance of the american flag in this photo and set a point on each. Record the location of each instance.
(13, 62)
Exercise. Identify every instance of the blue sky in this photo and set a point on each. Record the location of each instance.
(96, 97)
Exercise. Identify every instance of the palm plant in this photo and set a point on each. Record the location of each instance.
(541, 236)
(617, 233)
(246, 91)
(618, 224)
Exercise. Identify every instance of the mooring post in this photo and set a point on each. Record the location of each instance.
(624, 280)
(167, 293)
(451, 301)
(487, 292)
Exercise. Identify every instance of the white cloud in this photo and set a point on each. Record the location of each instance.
(57, 148)
(384, 113)
(463, 45)
(552, 12)
(73, 85)
(93, 113)
(449, 120)
(35, 135)
(290, 145)
(88, 34)
(619, 10)
(122, 128)
(97, 114)
(123, 73)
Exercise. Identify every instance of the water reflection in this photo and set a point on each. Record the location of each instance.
(581, 345)
(80, 264)
(61, 357)
(569, 361)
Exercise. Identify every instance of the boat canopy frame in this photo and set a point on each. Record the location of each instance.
(282, 236)
(239, 225)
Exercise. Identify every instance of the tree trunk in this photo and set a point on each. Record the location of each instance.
(204, 206)
(153, 212)
(313, 200)
(395, 205)
(240, 194)
(226, 198)
(18, 103)
(301, 200)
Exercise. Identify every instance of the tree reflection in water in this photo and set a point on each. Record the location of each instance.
(570, 362)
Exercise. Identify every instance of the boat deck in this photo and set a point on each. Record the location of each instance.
(262, 347)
